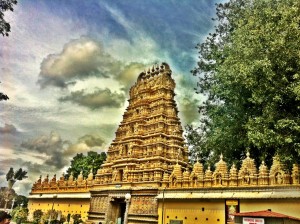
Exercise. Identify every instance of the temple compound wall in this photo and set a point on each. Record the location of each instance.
(147, 178)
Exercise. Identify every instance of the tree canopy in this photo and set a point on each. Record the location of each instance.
(19, 175)
(5, 5)
(86, 163)
(13, 176)
(248, 69)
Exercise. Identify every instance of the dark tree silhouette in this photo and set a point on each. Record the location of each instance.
(5, 5)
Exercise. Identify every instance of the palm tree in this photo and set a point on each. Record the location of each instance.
(12, 176)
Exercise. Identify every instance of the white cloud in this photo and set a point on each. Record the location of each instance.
(79, 60)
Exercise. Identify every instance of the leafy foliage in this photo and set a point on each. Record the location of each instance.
(249, 71)
(5, 5)
(196, 141)
(6, 194)
(20, 214)
(37, 216)
(50, 214)
(85, 163)
(11, 195)
(12, 176)
(76, 218)
(21, 200)
(3, 96)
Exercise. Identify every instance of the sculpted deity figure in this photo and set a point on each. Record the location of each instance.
(54, 178)
(246, 177)
(125, 174)
(120, 150)
(279, 178)
(115, 175)
(71, 180)
(84, 181)
(46, 180)
(39, 181)
(53, 181)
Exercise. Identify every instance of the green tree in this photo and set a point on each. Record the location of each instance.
(249, 70)
(85, 163)
(20, 214)
(12, 176)
(5, 5)
(6, 197)
(50, 214)
(3, 96)
(76, 218)
(13, 199)
(195, 140)
(37, 216)
(21, 200)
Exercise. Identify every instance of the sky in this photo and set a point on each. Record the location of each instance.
(67, 67)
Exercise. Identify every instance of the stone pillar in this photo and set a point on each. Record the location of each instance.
(127, 200)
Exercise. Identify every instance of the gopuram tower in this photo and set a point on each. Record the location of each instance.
(147, 147)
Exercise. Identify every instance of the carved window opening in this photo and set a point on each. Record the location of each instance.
(121, 174)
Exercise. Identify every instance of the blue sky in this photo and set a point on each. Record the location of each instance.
(67, 67)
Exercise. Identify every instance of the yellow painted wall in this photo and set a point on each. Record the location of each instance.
(285, 206)
(214, 210)
(66, 206)
(192, 212)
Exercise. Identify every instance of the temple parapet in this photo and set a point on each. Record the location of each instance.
(246, 176)
(180, 177)
(71, 184)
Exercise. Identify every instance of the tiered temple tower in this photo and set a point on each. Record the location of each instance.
(147, 146)
(149, 139)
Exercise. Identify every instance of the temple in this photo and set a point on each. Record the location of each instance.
(147, 178)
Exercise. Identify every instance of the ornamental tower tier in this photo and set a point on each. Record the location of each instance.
(149, 139)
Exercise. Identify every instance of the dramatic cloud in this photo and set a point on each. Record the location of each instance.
(91, 140)
(98, 99)
(8, 129)
(47, 154)
(187, 106)
(55, 152)
(80, 59)
(51, 146)
(129, 74)
(44, 143)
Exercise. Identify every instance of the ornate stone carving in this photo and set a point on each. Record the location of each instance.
(278, 176)
(263, 178)
(248, 172)
(233, 176)
(220, 175)
(295, 174)
(197, 175)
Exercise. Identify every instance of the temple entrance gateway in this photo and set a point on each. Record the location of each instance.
(117, 212)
